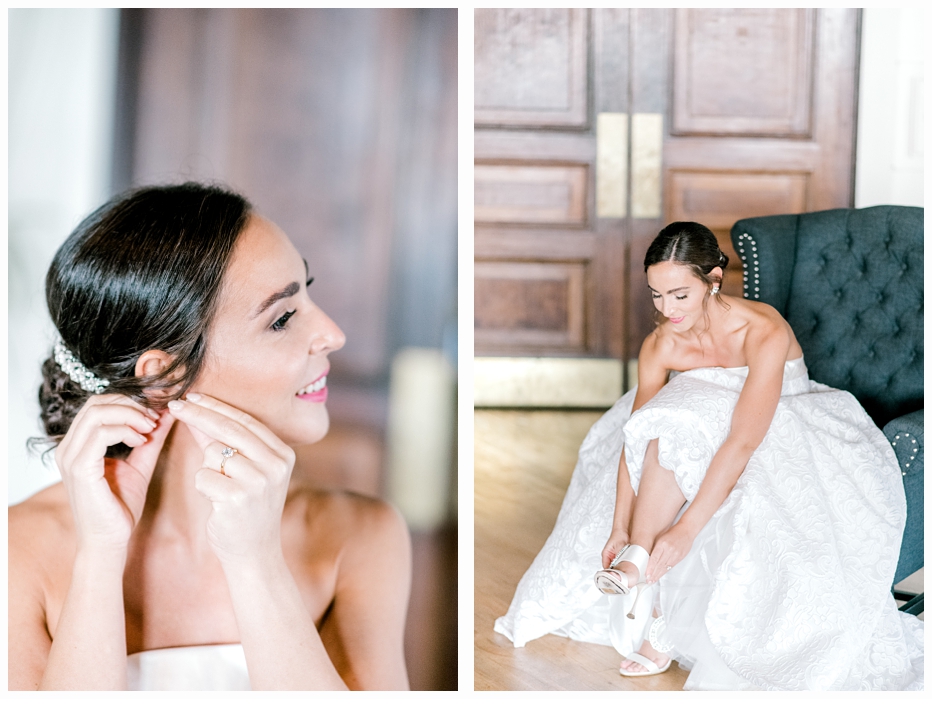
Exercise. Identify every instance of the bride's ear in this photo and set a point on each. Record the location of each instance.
(152, 363)
(717, 274)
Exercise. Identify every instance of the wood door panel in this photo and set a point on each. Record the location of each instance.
(518, 145)
(714, 198)
(743, 71)
(530, 305)
(531, 194)
(741, 153)
(531, 67)
(534, 244)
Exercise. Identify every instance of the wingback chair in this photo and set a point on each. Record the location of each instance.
(850, 283)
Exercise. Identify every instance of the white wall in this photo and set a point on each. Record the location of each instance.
(890, 108)
(62, 71)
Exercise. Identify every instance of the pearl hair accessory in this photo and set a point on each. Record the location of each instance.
(76, 371)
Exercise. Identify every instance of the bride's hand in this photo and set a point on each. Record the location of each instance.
(107, 496)
(248, 497)
(617, 541)
(669, 549)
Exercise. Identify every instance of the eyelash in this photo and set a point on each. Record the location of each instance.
(280, 324)
(678, 297)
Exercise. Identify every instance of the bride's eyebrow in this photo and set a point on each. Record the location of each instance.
(287, 291)
(670, 292)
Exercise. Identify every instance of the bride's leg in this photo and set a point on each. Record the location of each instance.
(657, 503)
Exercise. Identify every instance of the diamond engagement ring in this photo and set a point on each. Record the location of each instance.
(226, 454)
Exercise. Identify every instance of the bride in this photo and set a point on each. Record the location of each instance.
(173, 553)
(753, 516)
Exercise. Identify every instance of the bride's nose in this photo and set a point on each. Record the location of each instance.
(327, 336)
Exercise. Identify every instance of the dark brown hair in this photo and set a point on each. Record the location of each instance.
(690, 244)
(142, 272)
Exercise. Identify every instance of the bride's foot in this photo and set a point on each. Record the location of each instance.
(648, 652)
(648, 661)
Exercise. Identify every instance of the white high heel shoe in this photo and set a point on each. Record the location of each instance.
(613, 582)
(654, 632)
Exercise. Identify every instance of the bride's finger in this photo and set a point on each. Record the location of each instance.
(234, 465)
(223, 429)
(101, 438)
(144, 457)
(213, 485)
(655, 564)
(94, 403)
(241, 417)
(80, 433)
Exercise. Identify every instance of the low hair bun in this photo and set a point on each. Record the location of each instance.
(60, 399)
(723, 261)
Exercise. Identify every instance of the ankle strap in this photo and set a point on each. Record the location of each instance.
(636, 555)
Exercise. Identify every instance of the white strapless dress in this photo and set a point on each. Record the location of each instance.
(787, 586)
(216, 667)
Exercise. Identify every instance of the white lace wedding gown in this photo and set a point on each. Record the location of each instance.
(787, 586)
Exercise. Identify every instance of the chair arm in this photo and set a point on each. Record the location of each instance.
(906, 435)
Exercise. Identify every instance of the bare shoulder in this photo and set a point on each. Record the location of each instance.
(41, 528)
(659, 348)
(41, 554)
(346, 522)
(767, 325)
(768, 334)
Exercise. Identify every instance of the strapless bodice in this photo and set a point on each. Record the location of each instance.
(215, 667)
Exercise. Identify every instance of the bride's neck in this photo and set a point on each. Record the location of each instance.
(173, 506)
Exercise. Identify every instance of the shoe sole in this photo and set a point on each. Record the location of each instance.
(608, 585)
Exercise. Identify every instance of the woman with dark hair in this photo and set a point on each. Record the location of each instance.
(173, 554)
(753, 516)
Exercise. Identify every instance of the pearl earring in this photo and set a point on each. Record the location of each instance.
(714, 289)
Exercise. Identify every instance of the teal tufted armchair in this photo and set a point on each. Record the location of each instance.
(850, 283)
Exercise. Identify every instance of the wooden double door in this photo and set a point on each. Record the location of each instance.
(595, 128)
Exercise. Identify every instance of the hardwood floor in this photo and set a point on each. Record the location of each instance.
(523, 464)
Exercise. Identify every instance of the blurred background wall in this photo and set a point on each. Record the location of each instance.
(340, 126)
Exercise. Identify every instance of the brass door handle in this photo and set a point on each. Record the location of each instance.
(646, 164)
(612, 165)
